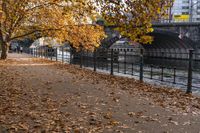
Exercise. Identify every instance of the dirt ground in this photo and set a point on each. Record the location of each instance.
(40, 96)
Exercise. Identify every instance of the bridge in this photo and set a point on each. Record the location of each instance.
(176, 24)
(174, 36)
(190, 30)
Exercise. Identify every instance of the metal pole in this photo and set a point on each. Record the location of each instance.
(111, 59)
(70, 60)
(94, 59)
(51, 51)
(36, 52)
(33, 52)
(174, 75)
(125, 61)
(162, 73)
(132, 69)
(81, 58)
(141, 65)
(87, 59)
(107, 60)
(56, 54)
(62, 55)
(151, 71)
(189, 85)
(43, 51)
(39, 51)
(47, 52)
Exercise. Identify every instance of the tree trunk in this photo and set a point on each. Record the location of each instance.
(4, 48)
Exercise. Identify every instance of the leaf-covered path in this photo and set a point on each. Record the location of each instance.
(42, 96)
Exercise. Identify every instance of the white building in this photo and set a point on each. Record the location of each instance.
(186, 10)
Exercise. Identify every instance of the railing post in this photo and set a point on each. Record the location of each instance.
(118, 66)
(162, 73)
(56, 54)
(111, 61)
(125, 61)
(151, 71)
(70, 57)
(62, 54)
(81, 58)
(29, 51)
(132, 69)
(43, 52)
(107, 60)
(174, 75)
(87, 59)
(141, 65)
(36, 52)
(189, 84)
(51, 51)
(94, 59)
(34, 49)
(39, 52)
(47, 52)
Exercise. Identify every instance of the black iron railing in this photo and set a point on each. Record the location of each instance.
(177, 69)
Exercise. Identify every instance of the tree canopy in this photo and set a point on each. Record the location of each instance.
(65, 20)
(134, 18)
(71, 20)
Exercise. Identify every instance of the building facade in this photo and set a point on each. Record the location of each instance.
(186, 11)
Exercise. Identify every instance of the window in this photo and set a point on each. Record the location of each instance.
(185, 13)
(185, 2)
(185, 7)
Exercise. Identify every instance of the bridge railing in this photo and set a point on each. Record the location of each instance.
(180, 70)
(162, 20)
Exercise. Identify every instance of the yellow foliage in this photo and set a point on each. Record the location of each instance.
(134, 17)
(71, 20)
(66, 20)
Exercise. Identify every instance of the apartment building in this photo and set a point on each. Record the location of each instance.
(186, 10)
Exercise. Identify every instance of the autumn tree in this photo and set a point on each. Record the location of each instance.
(134, 18)
(70, 20)
(64, 20)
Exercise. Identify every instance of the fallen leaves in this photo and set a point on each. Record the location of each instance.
(108, 115)
(174, 122)
(98, 108)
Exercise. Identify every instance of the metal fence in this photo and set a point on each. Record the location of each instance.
(179, 69)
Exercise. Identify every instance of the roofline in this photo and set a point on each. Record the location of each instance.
(177, 24)
(171, 24)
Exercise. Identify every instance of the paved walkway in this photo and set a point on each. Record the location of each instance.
(42, 96)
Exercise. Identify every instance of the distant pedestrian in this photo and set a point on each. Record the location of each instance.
(21, 49)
